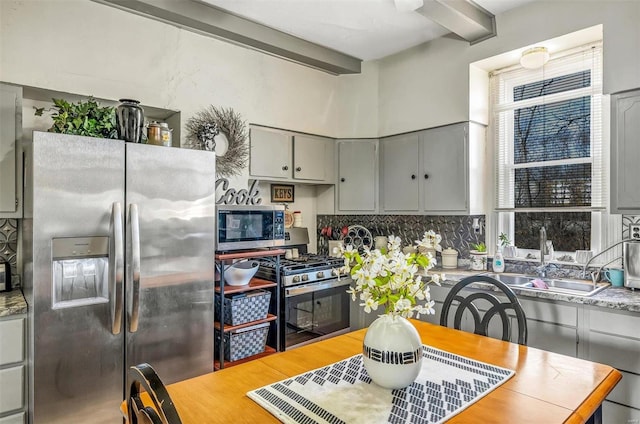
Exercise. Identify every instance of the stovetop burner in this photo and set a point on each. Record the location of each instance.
(305, 269)
(305, 263)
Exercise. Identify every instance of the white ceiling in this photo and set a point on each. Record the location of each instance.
(366, 29)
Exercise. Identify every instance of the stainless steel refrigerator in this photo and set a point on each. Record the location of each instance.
(118, 245)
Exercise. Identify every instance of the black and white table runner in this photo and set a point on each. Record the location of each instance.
(343, 392)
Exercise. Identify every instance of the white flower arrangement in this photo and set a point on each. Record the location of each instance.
(430, 240)
(388, 278)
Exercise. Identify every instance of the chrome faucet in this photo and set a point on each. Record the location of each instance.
(542, 269)
(596, 275)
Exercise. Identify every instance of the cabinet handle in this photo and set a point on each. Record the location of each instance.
(284, 168)
(413, 176)
(426, 176)
(342, 179)
(298, 169)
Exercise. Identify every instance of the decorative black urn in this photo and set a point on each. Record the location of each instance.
(130, 120)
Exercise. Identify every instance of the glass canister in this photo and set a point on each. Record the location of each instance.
(159, 133)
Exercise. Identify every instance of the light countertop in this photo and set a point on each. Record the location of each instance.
(12, 303)
(618, 298)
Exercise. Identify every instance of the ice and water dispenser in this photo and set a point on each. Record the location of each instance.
(80, 271)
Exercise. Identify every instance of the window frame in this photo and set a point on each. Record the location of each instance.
(502, 83)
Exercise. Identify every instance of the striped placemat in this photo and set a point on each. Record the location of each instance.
(343, 392)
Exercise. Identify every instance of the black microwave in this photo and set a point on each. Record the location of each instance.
(242, 227)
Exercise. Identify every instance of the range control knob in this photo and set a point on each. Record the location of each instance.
(320, 274)
(296, 278)
(305, 277)
(335, 272)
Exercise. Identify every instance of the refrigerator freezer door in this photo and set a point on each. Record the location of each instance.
(170, 326)
(77, 369)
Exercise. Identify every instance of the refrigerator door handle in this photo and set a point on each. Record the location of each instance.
(135, 265)
(116, 268)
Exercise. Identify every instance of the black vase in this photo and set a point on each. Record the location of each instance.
(130, 120)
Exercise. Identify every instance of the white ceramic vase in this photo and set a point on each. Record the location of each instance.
(392, 352)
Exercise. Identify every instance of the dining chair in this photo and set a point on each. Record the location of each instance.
(493, 305)
(163, 410)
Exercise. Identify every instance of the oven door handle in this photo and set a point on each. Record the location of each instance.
(308, 288)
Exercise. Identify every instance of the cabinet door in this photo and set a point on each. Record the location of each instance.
(10, 131)
(312, 158)
(552, 337)
(11, 388)
(357, 175)
(12, 336)
(625, 153)
(18, 418)
(270, 154)
(400, 173)
(444, 169)
(614, 413)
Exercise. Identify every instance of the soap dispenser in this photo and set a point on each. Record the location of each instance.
(498, 260)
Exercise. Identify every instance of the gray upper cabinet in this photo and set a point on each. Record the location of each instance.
(400, 162)
(444, 169)
(10, 160)
(281, 155)
(271, 154)
(625, 152)
(313, 159)
(357, 185)
(435, 171)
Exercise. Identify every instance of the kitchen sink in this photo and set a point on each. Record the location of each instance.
(556, 285)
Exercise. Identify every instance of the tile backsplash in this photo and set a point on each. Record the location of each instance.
(9, 244)
(456, 231)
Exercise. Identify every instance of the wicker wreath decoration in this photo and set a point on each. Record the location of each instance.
(202, 131)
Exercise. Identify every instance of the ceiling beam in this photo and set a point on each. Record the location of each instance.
(212, 21)
(462, 17)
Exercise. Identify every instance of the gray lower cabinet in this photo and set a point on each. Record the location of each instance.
(10, 162)
(613, 340)
(13, 391)
(552, 326)
(625, 152)
(19, 418)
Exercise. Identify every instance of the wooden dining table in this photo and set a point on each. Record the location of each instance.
(546, 388)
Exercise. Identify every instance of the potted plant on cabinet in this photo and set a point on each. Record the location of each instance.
(478, 255)
(85, 118)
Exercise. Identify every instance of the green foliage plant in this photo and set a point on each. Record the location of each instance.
(86, 118)
(480, 247)
(504, 240)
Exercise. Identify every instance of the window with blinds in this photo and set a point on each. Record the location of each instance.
(549, 165)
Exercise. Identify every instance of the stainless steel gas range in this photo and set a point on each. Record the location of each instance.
(315, 300)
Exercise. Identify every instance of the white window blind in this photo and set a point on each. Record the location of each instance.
(548, 130)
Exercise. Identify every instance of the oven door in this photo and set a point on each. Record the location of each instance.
(316, 311)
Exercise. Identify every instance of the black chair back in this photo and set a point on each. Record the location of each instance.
(498, 307)
(144, 376)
